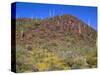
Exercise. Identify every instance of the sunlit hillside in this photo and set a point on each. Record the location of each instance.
(56, 43)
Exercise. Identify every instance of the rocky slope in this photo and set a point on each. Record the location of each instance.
(57, 43)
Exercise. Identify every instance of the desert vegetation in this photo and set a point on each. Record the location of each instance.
(56, 43)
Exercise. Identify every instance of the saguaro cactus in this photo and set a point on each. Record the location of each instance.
(79, 29)
(22, 34)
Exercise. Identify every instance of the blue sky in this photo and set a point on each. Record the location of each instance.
(36, 10)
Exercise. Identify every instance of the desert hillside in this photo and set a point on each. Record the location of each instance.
(56, 43)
